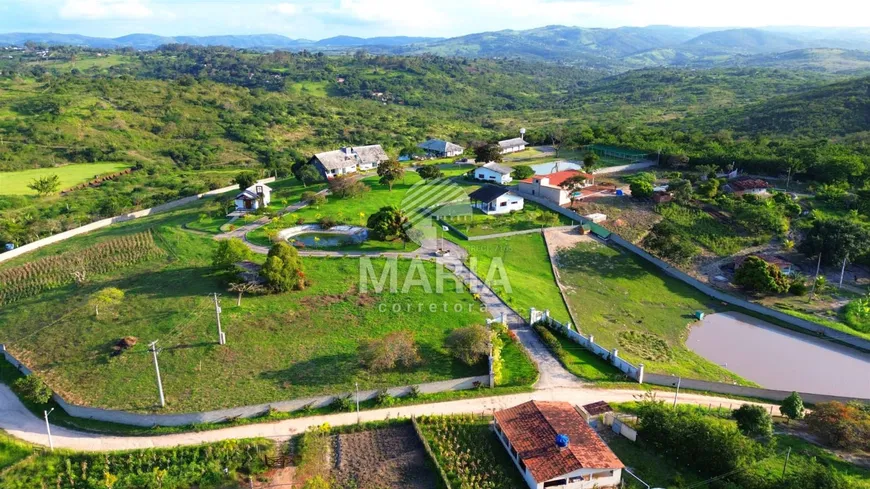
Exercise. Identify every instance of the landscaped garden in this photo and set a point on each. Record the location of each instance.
(626, 304)
(279, 346)
(532, 216)
(469, 453)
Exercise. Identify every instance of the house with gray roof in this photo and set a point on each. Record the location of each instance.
(342, 161)
(440, 148)
(493, 172)
(253, 197)
(512, 145)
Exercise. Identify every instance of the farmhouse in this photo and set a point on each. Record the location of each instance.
(491, 199)
(253, 197)
(552, 446)
(440, 148)
(493, 172)
(743, 186)
(349, 160)
(548, 186)
(512, 145)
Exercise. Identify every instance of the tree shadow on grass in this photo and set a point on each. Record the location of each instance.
(322, 371)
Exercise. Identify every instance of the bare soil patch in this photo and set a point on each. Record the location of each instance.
(385, 458)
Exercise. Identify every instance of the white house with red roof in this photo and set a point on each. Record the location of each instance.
(549, 186)
(552, 446)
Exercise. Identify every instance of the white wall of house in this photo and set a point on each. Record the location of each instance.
(255, 203)
(512, 149)
(502, 205)
(488, 175)
(540, 188)
(340, 171)
(367, 166)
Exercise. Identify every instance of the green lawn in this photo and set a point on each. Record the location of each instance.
(527, 266)
(468, 451)
(12, 451)
(15, 183)
(279, 346)
(532, 216)
(628, 305)
(517, 368)
(207, 223)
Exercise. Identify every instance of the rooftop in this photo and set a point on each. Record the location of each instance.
(504, 170)
(531, 429)
(488, 193)
(350, 156)
(440, 145)
(509, 143)
(557, 178)
(748, 184)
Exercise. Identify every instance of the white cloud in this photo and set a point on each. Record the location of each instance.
(105, 9)
(285, 9)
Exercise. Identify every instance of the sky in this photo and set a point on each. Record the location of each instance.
(318, 19)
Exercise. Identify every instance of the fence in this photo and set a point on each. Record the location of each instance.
(801, 324)
(55, 238)
(611, 356)
(740, 390)
(223, 415)
(617, 423)
(620, 168)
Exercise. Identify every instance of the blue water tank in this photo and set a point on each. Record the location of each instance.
(619, 192)
(10, 246)
(562, 441)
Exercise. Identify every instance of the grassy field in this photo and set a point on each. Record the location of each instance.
(468, 451)
(528, 270)
(279, 346)
(533, 216)
(627, 305)
(15, 183)
(702, 228)
(12, 451)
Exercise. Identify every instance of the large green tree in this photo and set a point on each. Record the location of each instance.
(836, 240)
(641, 189)
(389, 223)
(521, 172)
(430, 172)
(245, 179)
(792, 406)
(756, 275)
(229, 252)
(283, 269)
(753, 420)
(487, 153)
(390, 172)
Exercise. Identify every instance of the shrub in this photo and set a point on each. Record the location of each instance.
(798, 287)
(229, 252)
(753, 420)
(345, 187)
(756, 275)
(641, 189)
(245, 179)
(792, 406)
(33, 389)
(396, 349)
(344, 404)
(283, 269)
(327, 222)
(385, 399)
(856, 314)
(521, 172)
(548, 338)
(839, 425)
(470, 344)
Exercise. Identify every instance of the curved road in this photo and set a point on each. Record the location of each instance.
(21, 423)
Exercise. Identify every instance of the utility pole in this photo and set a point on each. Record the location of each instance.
(152, 347)
(222, 338)
(816, 278)
(843, 271)
(679, 382)
(48, 429)
(785, 465)
(357, 402)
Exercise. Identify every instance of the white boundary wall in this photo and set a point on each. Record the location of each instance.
(55, 238)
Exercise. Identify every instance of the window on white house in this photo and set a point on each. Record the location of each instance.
(481, 175)
(579, 478)
(556, 483)
(602, 475)
(503, 204)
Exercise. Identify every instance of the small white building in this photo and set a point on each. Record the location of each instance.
(253, 197)
(493, 200)
(441, 148)
(552, 446)
(512, 145)
(493, 172)
(342, 161)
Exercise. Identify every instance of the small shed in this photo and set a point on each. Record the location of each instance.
(250, 199)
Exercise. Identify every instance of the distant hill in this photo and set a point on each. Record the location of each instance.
(614, 50)
(741, 41)
(835, 110)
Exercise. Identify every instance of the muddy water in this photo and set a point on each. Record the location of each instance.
(777, 358)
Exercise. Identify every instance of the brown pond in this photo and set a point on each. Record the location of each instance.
(781, 359)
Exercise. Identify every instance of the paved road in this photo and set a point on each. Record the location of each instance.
(21, 423)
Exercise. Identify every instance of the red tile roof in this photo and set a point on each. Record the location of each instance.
(557, 178)
(531, 429)
(748, 184)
